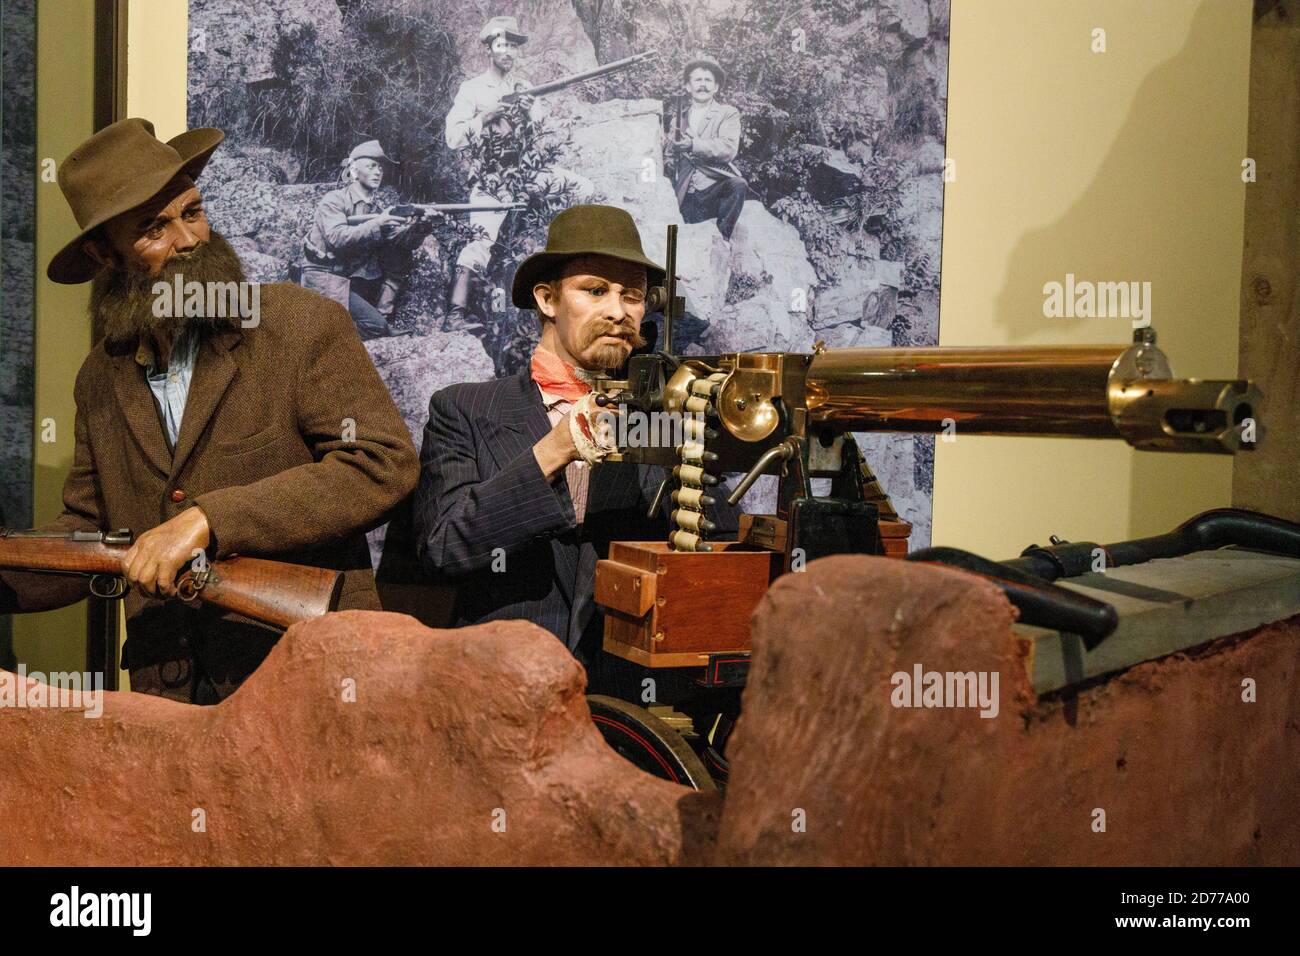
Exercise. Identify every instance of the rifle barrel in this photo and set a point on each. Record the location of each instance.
(21, 552)
(614, 65)
(447, 208)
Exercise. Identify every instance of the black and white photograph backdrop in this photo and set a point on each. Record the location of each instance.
(798, 145)
(17, 272)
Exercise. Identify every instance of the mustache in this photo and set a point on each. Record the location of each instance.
(122, 300)
(628, 331)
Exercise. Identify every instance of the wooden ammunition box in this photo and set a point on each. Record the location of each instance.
(666, 608)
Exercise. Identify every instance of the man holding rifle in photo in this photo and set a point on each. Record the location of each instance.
(345, 262)
(207, 435)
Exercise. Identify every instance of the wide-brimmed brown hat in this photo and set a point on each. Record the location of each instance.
(589, 230)
(122, 166)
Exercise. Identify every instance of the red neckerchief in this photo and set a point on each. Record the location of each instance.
(556, 376)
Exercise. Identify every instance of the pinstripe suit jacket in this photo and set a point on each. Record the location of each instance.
(481, 489)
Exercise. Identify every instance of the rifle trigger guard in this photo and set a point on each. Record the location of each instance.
(188, 587)
(108, 586)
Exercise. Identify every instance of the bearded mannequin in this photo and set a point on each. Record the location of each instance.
(206, 436)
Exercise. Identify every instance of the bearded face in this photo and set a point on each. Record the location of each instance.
(122, 296)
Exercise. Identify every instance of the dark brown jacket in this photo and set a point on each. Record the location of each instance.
(263, 450)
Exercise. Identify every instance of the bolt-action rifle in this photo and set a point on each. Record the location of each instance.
(272, 592)
(566, 81)
(415, 211)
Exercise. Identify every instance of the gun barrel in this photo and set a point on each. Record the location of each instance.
(1070, 391)
(454, 208)
(611, 67)
(42, 551)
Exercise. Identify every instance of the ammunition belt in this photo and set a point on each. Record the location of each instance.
(691, 476)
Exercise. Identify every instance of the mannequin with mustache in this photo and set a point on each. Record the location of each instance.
(591, 320)
(518, 497)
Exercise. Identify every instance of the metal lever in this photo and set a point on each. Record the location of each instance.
(782, 452)
(659, 498)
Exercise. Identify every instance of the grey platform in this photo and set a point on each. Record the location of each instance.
(1167, 605)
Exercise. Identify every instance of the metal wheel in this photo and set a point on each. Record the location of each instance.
(641, 738)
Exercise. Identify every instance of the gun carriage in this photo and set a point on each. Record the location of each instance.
(682, 606)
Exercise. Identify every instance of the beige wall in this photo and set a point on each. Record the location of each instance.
(1123, 165)
(156, 48)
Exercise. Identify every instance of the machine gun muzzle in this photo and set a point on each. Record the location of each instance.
(1067, 391)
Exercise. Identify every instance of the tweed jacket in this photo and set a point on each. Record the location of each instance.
(712, 150)
(290, 443)
(485, 516)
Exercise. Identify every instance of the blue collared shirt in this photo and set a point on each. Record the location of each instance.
(171, 388)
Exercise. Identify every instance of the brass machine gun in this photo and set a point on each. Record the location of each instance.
(685, 603)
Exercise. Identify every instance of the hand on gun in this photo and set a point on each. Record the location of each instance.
(391, 226)
(593, 428)
(157, 556)
(676, 146)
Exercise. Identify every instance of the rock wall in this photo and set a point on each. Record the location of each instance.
(368, 739)
(466, 747)
(826, 771)
(233, 43)
(18, 268)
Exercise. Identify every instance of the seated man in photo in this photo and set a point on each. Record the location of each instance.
(703, 146)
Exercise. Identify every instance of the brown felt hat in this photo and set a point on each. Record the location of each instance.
(122, 166)
(590, 230)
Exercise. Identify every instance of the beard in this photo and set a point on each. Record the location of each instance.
(122, 299)
(609, 357)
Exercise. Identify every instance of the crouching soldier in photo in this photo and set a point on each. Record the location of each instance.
(267, 436)
(703, 143)
(345, 262)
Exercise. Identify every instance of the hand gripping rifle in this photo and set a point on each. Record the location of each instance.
(419, 211)
(272, 592)
(556, 85)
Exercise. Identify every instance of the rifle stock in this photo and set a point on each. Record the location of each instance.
(269, 591)
(273, 592)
